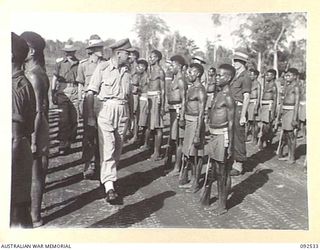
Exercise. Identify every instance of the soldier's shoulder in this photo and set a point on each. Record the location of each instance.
(83, 61)
(103, 65)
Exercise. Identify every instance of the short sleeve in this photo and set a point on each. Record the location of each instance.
(246, 84)
(96, 80)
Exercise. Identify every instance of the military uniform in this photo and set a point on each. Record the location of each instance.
(112, 85)
(241, 84)
(67, 100)
(23, 116)
(90, 150)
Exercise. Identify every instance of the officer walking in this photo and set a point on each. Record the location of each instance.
(90, 149)
(65, 95)
(111, 83)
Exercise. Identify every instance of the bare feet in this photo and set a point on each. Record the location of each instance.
(155, 157)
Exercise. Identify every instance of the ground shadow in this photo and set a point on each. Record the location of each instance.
(248, 186)
(76, 204)
(65, 166)
(135, 213)
(301, 150)
(130, 184)
(72, 151)
(259, 157)
(64, 182)
(141, 156)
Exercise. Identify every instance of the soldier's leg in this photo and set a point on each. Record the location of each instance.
(20, 215)
(223, 185)
(73, 116)
(197, 173)
(283, 142)
(291, 146)
(183, 178)
(108, 173)
(37, 189)
(63, 133)
(135, 129)
(157, 144)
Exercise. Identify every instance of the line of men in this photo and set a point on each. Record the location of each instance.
(128, 93)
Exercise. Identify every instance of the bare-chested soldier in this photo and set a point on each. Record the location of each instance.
(134, 56)
(251, 126)
(176, 100)
(302, 106)
(289, 115)
(156, 97)
(221, 141)
(143, 107)
(268, 108)
(36, 74)
(211, 89)
(193, 143)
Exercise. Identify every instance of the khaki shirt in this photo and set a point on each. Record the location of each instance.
(65, 71)
(240, 84)
(109, 81)
(23, 104)
(85, 72)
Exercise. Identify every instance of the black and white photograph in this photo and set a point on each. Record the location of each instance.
(159, 120)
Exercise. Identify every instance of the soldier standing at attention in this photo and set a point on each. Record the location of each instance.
(251, 126)
(90, 144)
(65, 95)
(289, 115)
(134, 56)
(221, 141)
(193, 143)
(240, 88)
(143, 108)
(23, 120)
(268, 108)
(302, 107)
(156, 96)
(211, 89)
(111, 83)
(176, 96)
(36, 74)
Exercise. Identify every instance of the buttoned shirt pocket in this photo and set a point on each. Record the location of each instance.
(107, 86)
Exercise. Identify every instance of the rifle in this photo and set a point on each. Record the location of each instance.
(280, 142)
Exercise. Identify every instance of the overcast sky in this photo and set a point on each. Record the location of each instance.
(79, 26)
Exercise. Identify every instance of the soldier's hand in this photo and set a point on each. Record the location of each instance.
(54, 98)
(162, 112)
(243, 120)
(92, 122)
(196, 142)
(294, 123)
(182, 123)
(229, 152)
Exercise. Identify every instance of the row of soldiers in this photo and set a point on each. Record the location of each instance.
(128, 94)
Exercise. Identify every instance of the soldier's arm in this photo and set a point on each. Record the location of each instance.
(275, 98)
(259, 97)
(38, 91)
(296, 103)
(230, 110)
(246, 89)
(81, 80)
(183, 92)
(163, 90)
(202, 105)
(93, 88)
